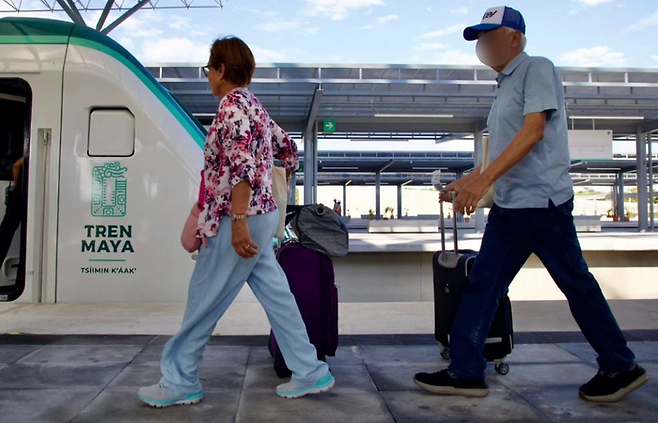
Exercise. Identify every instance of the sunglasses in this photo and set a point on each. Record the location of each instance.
(206, 70)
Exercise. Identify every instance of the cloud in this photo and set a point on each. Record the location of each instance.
(185, 25)
(443, 32)
(144, 19)
(180, 23)
(386, 19)
(266, 13)
(5, 7)
(456, 57)
(263, 55)
(333, 59)
(381, 21)
(293, 26)
(127, 43)
(142, 34)
(28, 8)
(447, 57)
(146, 23)
(146, 33)
(460, 11)
(581, 5)
(173, 50)
(151, 24)
(646, 22)
(592, 57)
(337, 9)
(140, 23)
(591, 3)
(185, 50)
(430, 46)
(655, 58)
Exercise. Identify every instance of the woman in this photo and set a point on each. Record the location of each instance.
(239, 216)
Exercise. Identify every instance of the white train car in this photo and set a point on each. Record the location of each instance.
(111, 169)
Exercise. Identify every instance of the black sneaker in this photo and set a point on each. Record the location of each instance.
(612, 387)
(445, 383)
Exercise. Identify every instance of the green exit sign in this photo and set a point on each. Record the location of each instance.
(329, 126)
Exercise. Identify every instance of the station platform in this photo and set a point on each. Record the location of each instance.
(95, 379)
(85, 362)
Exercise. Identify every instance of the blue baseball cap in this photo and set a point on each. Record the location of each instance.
(494, 18)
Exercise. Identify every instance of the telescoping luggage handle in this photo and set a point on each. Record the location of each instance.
(438, 185)
(454, 226)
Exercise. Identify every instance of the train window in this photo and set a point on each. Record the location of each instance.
(111, 133)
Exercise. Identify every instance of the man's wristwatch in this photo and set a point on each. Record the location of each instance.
(237, 217)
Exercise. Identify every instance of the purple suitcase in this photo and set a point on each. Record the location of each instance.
(311, 278)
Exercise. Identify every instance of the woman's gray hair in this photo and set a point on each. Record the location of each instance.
(524, 40)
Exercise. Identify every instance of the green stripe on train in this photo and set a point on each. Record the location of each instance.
(34, 39)
(51, 32)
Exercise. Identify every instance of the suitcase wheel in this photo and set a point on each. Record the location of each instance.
(502, 368)
(445, 353)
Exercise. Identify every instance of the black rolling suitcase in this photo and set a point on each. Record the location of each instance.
(451, 270)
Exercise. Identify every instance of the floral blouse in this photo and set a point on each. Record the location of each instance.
(241, 144)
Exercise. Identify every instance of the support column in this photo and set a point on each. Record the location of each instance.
(400, 202)
(614, 196)
(641, 149)
(651, 195)
(378, 195)
(315, 163)
(621, 211)
(477, 155)
(308, 168)
(345, 199)
(310, 132)
(292, 189)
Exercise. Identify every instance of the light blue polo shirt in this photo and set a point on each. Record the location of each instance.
(531, 85)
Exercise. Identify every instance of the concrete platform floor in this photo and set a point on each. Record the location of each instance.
(245, 318)
(95, 378)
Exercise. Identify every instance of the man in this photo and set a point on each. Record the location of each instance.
(532, 214)
(13, 211)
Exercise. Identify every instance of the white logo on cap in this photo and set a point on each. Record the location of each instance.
(494, 16)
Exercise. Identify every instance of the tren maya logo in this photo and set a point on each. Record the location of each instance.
(109, 190)
(109, 199)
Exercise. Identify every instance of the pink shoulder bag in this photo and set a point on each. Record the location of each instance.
(188, 238)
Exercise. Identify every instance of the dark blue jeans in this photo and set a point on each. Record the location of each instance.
(510, 237)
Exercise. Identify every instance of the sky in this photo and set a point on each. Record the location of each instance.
(591, 33)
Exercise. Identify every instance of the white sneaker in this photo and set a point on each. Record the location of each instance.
(293, 389)
(160, 396)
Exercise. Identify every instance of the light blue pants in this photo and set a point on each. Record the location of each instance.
(217, 279)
